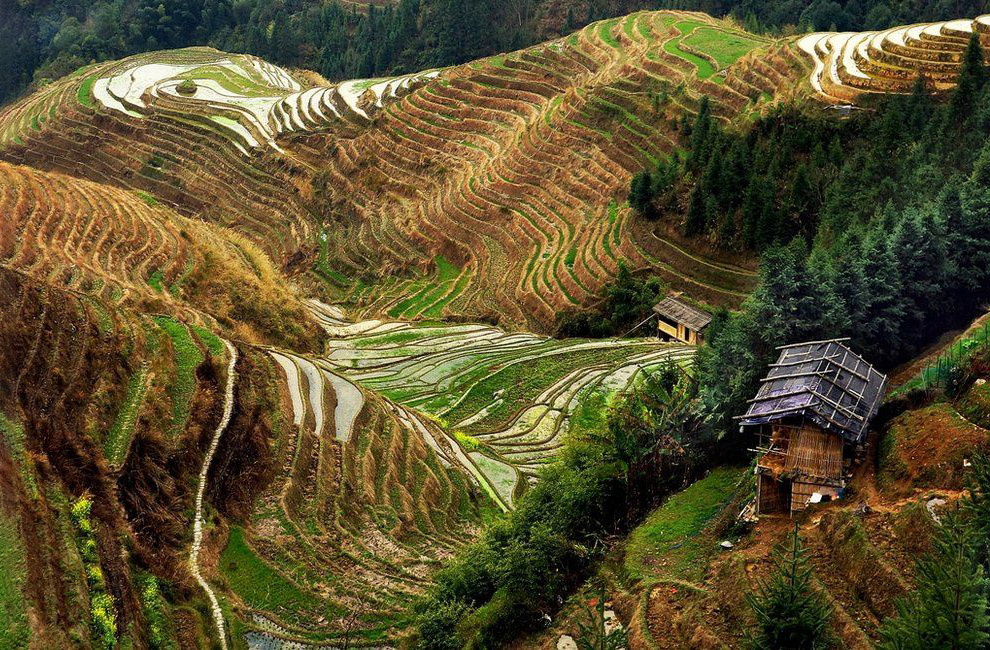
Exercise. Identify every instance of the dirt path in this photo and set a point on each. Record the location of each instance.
(228, 408)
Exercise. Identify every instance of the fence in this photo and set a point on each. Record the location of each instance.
(945, 369)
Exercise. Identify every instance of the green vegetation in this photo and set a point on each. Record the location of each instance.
(606, 31)
(790, 610)
(256, 582)
(523, 564)
(704, 66)
(85, 92)
(147, 198)
(897, 228)
(211, 340)
(15, 631)
(949, 607)
(432, 289)
(186, 87)
(119, 437)
(952, 369)
(12, 433)
(724, 46)
(156, 614)
(156, 280)
(46, 42)
(101, 603)
(672, 531)
(628, 301)
(187, 358)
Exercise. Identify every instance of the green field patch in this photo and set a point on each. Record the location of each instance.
(725, 47)
(229, 80)
(119, 437)
(606, 31)
(523, 381)
(261, 586)
(156, 613)
(156, 280)
(430, 290)
(187, 357)
(571, 256)
(502, 476)
(554, 105)
(147, 198)
(436, 309)
(210, 340)
(670, 544)
(705, 69)
(12, 433)
(15, 631)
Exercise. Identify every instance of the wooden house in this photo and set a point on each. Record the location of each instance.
(811, 413)
(680, 321)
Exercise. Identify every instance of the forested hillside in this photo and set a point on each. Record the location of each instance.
(44, 39)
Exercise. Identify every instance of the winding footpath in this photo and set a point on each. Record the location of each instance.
(228, 408)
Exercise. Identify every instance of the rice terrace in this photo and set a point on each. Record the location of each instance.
(434, 324)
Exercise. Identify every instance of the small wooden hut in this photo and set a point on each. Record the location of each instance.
(811, 414)
(681, 321)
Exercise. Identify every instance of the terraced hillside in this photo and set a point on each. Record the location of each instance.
(104, 420)
(511, 172)
(358, 509)
(503, 403)
(494, 189)
(848, 64)
(387, 453)
(119, 246)
(194, 129)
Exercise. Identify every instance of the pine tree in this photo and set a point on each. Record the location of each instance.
(885, 308)
(790, 611)
(695, 223)
(700, 135)
(948, 609)
(641, 194)
(972, 76)
(977, 507)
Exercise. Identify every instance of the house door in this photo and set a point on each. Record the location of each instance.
(774, 497)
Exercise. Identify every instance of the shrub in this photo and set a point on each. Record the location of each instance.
(187, 87)
(790, 611)
(438, 624)
(949, 608)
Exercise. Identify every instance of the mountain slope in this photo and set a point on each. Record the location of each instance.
(512, 169)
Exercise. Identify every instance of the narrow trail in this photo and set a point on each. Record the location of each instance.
(228, 408)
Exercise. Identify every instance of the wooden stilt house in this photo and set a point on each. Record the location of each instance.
(679, 321)
(811, 414)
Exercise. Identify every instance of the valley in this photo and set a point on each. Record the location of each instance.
(283, 358)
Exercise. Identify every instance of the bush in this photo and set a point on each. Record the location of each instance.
(187, 87)
(790, 611)
(438, 624)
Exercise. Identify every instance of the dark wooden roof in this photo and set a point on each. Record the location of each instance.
(681, 312)
(823, 381)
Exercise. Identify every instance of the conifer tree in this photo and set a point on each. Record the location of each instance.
(790, 611)
(695, 223)
(641, 194)
(949, 607)
(971, 79)
(977, 507)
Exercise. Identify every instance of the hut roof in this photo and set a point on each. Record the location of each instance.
(681, 312)
(823, 381)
